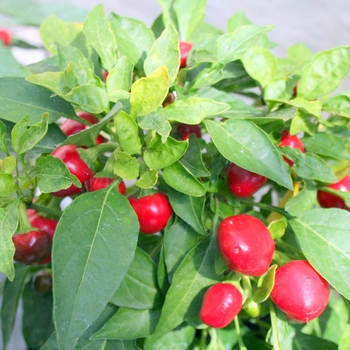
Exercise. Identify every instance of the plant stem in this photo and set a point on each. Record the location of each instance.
(46, 210)
(240, 339)
(24, 224)
(266, 207)
(274, 320)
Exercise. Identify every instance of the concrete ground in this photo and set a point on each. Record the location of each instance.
(320, 24)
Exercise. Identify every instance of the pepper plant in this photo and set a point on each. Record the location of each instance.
(187, 139)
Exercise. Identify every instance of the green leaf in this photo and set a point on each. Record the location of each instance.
(159, 155)
(88, 136)
(303, 201)
(260, 64)
(184, 297)
(90, 98)
(7, 184)
(277, 228)
(9, 66)
(323, 233)
(310, 166)
(54, 81)
(179, 178)
(98, 254)
(3, 143)
(54, 175)
(193, 110)
(128, 324)
(53, 30)
(126, 166)
(178, 339)
(345, 340)
(299, 52)
(24, 138)
(52, 138)
(237, 106)
(149, 93)
(338, 105)
(165, 52)
(188, 208)
(10, 298)
(236, 20)
(19, 98)
(189, 16)
(245, 144)
(179, 239)
(310, 107)
(265, 285)
(8, 164)
(49, 64)
(148, 179)
(127, 130)
(76, 75)
(193, 160)
(51, 343)
(8, 225)
(310, 342)
(324, 73)
(37, 324)
(141, 276)
(71, 54)
(134, 39)
(100, 36)
(120, 76)
(232, 46)
(327, 145)
(155, 122)
(85, 342)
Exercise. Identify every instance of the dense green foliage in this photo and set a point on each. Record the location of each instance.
(115, 287)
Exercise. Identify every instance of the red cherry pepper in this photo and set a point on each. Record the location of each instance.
(70, 156)
(245, 244)
(329, 200)
(221, 304)
(71, 127)
(299, 291)
(32, 247)
(292, 141)
(243, 183)
(185, 130)
(98, 183)
(5, 36)
(185, 48)
(153, 212)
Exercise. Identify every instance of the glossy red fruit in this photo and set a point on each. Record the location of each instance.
(185, 130)
(46, 224)
(38, 221)
(70, 156)
(299, 291)
(185, 48)
(32, 247)
(245, 244)
(71, 127)
(153, 212)
(105, 75)
(328, 200)
(5, 36)
(292, 141)
(98, 183)
(221, 304)
(243, 183)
